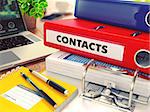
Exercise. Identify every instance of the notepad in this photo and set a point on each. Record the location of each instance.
(9, 82)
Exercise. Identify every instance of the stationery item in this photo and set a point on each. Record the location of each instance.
(49, 82)
(13, 78)
(114, 98)
(41, 92)
(115, 45)
(19, 95)
(55, 16)
(129, 14)
(109, 93)
(100, 72)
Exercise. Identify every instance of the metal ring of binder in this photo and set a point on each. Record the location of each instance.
(84, 74)
(128, 107)
(130, 93)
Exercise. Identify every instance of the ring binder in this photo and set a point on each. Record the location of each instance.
(129, 14)
(102, 42)
(84, 74)
(108, 95)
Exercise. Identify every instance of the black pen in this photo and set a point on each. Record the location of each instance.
(49, 82)
(40, 92)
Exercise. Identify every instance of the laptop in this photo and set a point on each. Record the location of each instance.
(17, 45)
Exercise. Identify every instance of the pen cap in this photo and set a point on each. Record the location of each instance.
(39, 75)
(57, 87)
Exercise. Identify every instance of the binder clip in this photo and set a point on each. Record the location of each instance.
(108, 94)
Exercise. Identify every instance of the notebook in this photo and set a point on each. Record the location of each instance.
(14, 87)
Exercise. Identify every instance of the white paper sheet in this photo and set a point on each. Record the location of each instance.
(22, 97)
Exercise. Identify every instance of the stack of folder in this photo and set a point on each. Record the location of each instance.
(103, 39)
(116, 33)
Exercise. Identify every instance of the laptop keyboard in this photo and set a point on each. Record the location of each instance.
(13, 42)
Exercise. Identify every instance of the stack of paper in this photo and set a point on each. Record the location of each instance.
(73, 66)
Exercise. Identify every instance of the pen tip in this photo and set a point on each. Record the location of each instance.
(55, 106)
(30, 70)
(66, 92)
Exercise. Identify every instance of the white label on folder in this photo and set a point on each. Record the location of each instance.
(22, 97)
(101, 48)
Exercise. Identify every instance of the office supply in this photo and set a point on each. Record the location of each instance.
(15, 41)
(71, 65)
(49, 82)
(111, 44)
(55, 16)
(18, 95)
(13, 78)
(109, 94)
(129, 14)
(41, 92)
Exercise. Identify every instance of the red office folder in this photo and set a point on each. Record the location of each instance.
(115, 45)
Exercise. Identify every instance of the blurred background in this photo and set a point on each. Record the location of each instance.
(60, 6)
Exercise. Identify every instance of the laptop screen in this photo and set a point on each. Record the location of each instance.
(11, 21)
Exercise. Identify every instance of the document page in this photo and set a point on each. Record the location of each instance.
(22, 97)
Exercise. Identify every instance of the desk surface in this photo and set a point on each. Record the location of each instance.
(78, 105)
